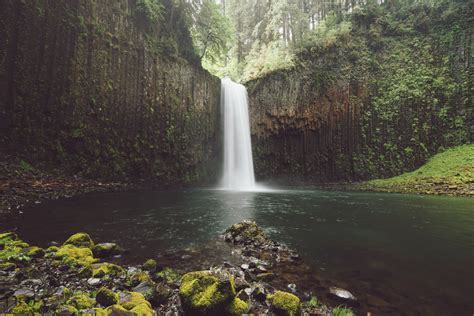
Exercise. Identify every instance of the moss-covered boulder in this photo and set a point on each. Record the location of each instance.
(237, 307)
(7, 237)
(105, 250)
(66, 310)
(81, 301)
(80, 240)
(139, 277)
(168, 275)
(106, 297)
(7, 266)
(73, 255)
(206, 293)
(136, 303)
(150, 265)
(52, 249)
(285, 304)
(118, 310)
(35, 252)
(21, 308)
(101, 270)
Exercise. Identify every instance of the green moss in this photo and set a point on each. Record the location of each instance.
(139, 277)
(150, 265)
(14, 250)
(106, 297)
(204, 292)
(102, 269)
(73, 255)
(21, 308)
(67, 310)
(284, 303)
(116, 310)
(237, 307)
(7, 266)
(168, 275)
(7, 237)
(85, 271)
(80, 240)
(52, 249)
(450, 170)
(342, 311)
(130, 300)
(35, 252)
(81, 301)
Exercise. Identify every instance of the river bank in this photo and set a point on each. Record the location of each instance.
(79, 276)
(22, 184)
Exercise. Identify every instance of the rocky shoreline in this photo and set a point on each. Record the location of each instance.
(22, 184)
(78, 277)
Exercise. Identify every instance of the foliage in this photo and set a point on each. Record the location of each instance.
(151, 10)
(212, 32)
(451, 169)
(342, 311)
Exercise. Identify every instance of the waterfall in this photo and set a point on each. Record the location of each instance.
(238, 171)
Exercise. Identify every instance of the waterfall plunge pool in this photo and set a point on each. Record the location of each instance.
(397, 253)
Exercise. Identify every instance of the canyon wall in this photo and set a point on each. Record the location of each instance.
(367, 103)
(99, 89)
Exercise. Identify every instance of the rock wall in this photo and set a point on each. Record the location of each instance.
(358, 107)
(88, 86)
(302, 132)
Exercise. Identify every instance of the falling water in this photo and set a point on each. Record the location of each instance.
(238, 162)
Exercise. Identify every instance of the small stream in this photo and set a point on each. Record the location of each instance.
(399, 254)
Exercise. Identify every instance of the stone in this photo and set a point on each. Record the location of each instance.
(206, 293)
(150, 265)
(80, 240)
(341, 293)
(106, 297)
(105, 250)
(285, 304)
(93, 281)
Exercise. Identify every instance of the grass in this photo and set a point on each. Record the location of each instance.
(342, 311)
(450, 172)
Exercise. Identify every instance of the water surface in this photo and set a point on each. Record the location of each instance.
(399, 254)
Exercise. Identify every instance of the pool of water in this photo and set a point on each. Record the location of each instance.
(399, 254)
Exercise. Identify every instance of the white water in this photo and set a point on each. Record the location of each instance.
(238, 171)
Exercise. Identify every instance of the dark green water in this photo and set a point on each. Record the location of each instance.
(400, 254)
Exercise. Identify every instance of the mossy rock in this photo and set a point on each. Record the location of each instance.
(7, 266)
(107, 269)
(85, 272)
(15, 250)
(139, 277)
(73, 255)
(66, 310)
(81, 301)
(118, 310)
(106, 297)
(36, 252)
(285, 304)
(7, 237)
(131, 300)
(168, 275)
(206, 293)
(52, 249)
(150, 265)
(21, 308)
(237, 307)
(105, 250)
(80, 240)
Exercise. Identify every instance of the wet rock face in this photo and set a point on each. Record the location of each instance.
(302, 132)
(83, 86)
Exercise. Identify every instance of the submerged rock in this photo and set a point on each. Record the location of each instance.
(341, 293)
